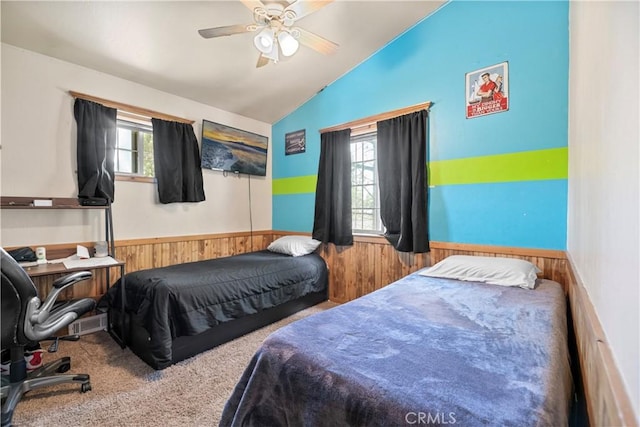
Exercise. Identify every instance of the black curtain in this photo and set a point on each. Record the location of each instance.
(177, 162)
(402, 165)
(332, 219)
(96, 147)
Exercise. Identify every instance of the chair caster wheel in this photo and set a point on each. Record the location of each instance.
(85, 387)
(63, 368)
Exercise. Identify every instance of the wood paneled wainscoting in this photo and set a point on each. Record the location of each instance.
(141, 254)
(608, 403)
(372, 263)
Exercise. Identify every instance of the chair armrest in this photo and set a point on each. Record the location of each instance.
(60, 317)
(40, 314)
(70, 279)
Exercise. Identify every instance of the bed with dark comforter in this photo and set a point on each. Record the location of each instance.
(175, 312)
(421, 351)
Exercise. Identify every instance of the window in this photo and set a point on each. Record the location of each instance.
(134, 149)
(365, 197)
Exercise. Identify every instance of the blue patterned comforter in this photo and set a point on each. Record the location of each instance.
(421, 351)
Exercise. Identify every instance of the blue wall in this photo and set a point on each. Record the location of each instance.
(520, 207)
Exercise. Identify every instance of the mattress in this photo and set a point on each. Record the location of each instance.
(419, 351)
(189, 299)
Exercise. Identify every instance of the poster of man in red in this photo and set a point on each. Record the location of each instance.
(487, 90)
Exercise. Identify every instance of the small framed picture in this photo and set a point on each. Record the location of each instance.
(295, 142)
(487, 90)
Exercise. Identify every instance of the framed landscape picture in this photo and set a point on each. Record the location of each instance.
(487, 90)
(233, 150)
(295, 142)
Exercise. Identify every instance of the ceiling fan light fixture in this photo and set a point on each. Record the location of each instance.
(264, 40)
(288, 44)
(272, 54)
(272, 27)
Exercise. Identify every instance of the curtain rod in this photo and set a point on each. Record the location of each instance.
(371, 120)
(130, 108)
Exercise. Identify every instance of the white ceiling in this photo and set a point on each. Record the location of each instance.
(157, 44)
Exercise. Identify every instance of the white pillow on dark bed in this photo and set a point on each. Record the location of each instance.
(494, 270)
(294, 245)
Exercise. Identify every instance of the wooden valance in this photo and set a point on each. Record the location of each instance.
(130, 108)
(369, 123)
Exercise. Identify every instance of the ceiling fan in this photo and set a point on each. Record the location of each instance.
(276, 35)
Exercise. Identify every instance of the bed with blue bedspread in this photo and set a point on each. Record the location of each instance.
(421, 351)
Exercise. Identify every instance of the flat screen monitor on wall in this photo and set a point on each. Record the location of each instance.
(233, 150)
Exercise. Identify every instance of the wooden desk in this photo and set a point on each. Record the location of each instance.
(59, 268)
(56, 203)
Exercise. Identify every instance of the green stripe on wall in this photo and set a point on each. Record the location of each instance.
(526, 166)
(294, 185)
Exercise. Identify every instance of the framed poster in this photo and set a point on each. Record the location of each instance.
(295, 142)
(487, 90)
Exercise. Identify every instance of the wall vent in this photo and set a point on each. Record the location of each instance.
(87, 325)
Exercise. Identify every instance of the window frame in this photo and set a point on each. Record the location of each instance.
(360, 137)
(136, 125)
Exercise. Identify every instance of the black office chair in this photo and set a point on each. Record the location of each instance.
(25, 321)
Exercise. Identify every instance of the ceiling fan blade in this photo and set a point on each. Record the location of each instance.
(314, 41)
(262, 61)
(252, 5)
(227, 31)
(304, 7)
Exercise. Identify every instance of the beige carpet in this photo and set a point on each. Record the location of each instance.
(127, 392)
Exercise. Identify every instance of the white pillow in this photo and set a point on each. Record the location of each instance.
(493, 270)
(294, 245)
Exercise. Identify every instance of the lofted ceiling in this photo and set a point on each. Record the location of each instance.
(156, 43)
